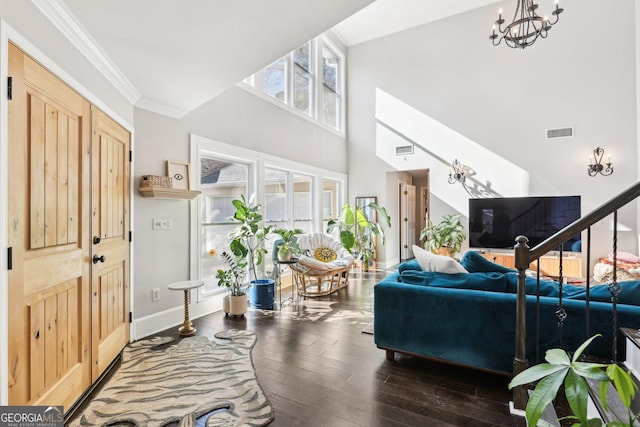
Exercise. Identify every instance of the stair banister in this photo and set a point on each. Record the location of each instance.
(525, 255)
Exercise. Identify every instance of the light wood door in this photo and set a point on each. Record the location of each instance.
(49, 222)
(110, 240)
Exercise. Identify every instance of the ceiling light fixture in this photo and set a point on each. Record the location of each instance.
(525, 27)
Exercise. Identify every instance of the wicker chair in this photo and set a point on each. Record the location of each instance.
(324, 266)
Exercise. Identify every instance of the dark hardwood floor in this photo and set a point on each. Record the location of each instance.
(318, 369)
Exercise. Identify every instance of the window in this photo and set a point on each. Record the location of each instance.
(221, 182)
(290, 196)
(309, 80)
(329, 95)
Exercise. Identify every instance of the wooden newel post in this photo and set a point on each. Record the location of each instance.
(520, 362)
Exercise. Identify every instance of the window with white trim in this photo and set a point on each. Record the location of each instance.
(310, 80)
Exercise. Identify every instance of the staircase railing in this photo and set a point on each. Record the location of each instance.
(524, 256)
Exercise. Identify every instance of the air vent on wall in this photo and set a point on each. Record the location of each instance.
(404, 149)
(560, 133)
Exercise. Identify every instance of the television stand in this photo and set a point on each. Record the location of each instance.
(549, 264)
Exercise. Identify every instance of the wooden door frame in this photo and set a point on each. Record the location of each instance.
(7, 34)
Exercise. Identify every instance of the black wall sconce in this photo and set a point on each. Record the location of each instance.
(595, 163)
(456, 172)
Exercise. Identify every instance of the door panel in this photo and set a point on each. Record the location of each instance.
(49, 359)
(110, 223)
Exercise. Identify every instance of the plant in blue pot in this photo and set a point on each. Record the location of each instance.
(247, 241)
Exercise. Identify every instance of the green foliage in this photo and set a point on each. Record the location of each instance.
(288, 244)
(561, 369)
(233, 277)
(357, 231)
(448, 233)
(247, 239)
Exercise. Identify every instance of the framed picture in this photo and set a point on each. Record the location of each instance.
(180, 173)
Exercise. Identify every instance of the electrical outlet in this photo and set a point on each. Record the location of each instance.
(155, 294)
(162, 224)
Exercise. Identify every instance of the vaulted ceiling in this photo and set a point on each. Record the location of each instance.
(171, 56)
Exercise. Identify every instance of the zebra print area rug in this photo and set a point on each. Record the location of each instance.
(179, 384)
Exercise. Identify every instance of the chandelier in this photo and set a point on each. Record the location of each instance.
(525, 27)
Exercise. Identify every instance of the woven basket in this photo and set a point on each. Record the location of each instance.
(155, 181)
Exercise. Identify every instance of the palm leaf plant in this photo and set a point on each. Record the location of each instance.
(562, 369)
(357, 231)
(448, 233)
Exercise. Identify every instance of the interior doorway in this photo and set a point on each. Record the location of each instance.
(413, 210)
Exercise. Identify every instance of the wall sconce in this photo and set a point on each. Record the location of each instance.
(456, 172)
(596, 166)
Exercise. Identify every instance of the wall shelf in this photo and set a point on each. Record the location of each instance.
(167, 193)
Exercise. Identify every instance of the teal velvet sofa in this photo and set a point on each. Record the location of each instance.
(470, 318)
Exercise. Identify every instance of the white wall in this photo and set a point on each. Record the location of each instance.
(499, 101)
(237, 118)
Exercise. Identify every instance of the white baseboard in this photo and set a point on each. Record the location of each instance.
(160, 321)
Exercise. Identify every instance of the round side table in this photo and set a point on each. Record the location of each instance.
(187, 328)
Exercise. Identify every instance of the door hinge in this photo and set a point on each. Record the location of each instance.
(130, 317)
(130, 236)
(10, 258)
(130, 156)
(9, 87)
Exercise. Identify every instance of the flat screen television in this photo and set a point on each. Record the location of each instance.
(496, 222)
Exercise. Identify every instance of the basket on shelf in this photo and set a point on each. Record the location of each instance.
(155, 181)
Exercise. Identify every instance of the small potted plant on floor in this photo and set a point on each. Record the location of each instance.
(288, 247)
(446, 237)
(235, 303)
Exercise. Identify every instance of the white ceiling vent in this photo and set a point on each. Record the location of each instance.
(404, 149)
(560, 133)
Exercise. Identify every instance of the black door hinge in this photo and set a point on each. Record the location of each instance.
(130, 156)
(130, 236)
(130, 317)
(10, 258)
(9, 87)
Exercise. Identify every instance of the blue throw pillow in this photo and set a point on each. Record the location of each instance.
(479, 281)
(409, 265)
(473, 262)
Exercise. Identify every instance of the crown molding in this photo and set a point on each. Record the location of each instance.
(160, 108)
(60, 16)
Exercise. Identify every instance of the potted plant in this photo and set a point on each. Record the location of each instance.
(446, 237)
(235, 303)
(247, 242)
(562, 369)
(357, 231)
(288, 247)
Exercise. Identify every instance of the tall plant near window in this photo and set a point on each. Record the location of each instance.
(357, 231)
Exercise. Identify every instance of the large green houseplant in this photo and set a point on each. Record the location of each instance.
(247, 242)
(357, 231)
(247, 239)
(562, 369)
(445, 237)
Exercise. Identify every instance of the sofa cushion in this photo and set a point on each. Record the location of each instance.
(548, 288)
(473, 262)
(436, 263)
(409, 265)
(495, 282)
